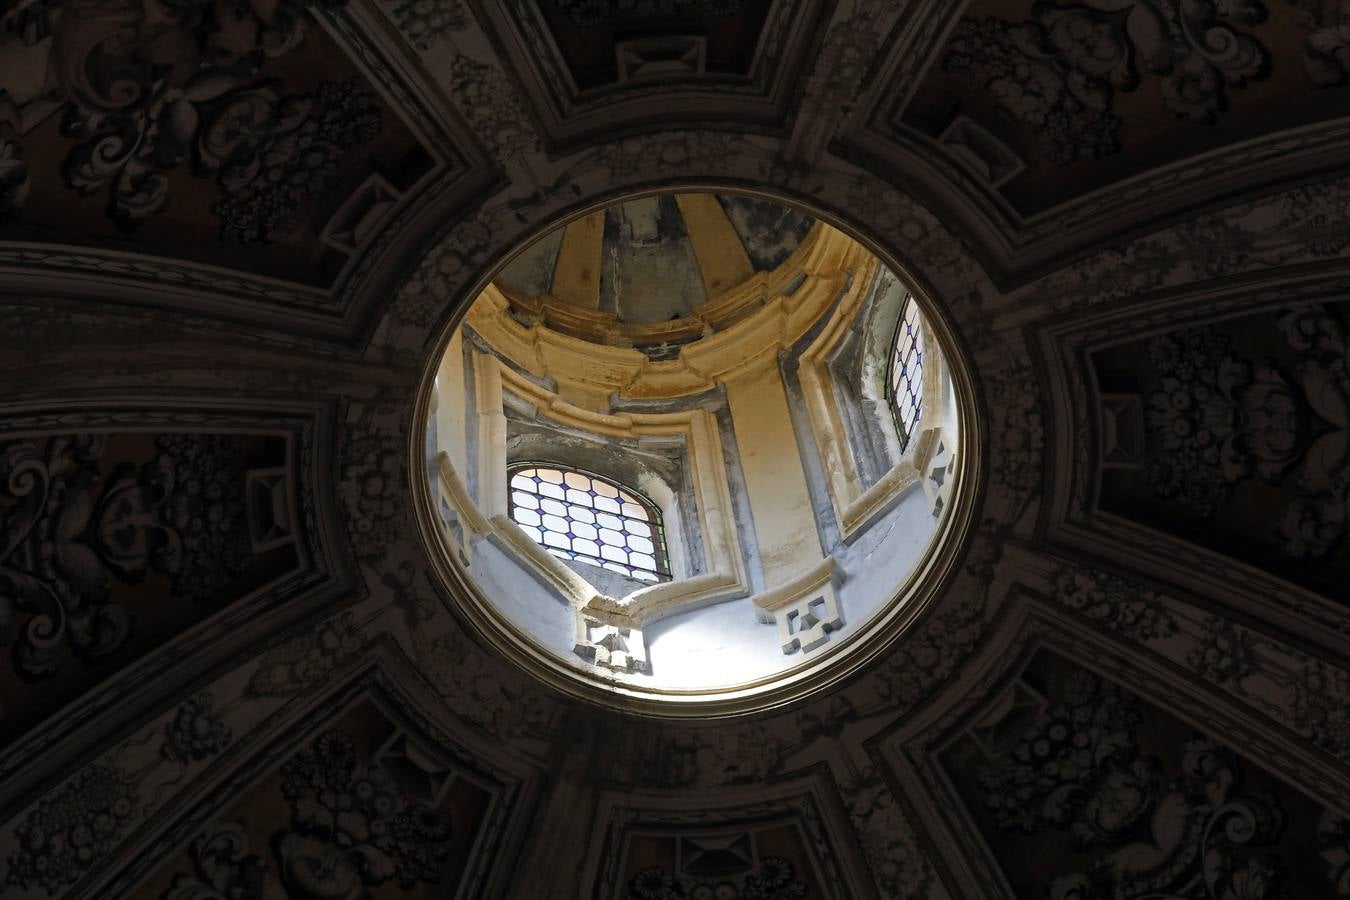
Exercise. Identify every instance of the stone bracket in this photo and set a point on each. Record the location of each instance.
(617, 647)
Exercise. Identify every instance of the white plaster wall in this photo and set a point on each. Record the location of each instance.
(721, 644)
(538, 610)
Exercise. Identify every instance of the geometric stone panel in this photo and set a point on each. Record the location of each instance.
(270, 513)
(1122, 431)
(610, 646)
(807, 624)
(661, 57)
(981, 151)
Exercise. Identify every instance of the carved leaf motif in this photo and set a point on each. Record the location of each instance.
(26, 479)
(1333, 843)
(144, 83)
(585, 13)
(41, 645)
(73, 529)
(1222, 419)
(425, 21)
(376, 866)
(1100, 44)
(1326, 55)
(225, 870)
(312, 816)
(1154, 835)
(14, 181)
(352, 826)
(72, 828)
(1059, 71)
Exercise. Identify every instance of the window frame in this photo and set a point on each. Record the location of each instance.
(906, 434)
(661, 572)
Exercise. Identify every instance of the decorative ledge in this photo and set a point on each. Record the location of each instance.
(805, 608)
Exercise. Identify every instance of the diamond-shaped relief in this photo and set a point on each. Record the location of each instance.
(661, 57)
(270, 516)
(418, 772)
(720, 855)
(1123, 441)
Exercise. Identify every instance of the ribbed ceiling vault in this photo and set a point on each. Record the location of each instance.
(231, 234)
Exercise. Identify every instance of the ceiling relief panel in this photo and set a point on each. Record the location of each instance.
(1235, 441)
(649, 63)
(1059, 99)
(141, 540)
(1078, 787)
(1039, 115)
(399, 814)
(245, 152)
(786, 843)
(361, 796)
(1278, 681)
(1201, 439)
(740, 863)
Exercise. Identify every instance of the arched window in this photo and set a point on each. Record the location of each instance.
(904, 382)
(578, 515)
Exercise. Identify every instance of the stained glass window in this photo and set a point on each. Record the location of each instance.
(905, 380)
(576, 515)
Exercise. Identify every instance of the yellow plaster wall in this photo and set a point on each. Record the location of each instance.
(785, 524)
(743, 356)
(451, 406)
(487, 379)
(588, 373)
(577, 277)
(722, 259)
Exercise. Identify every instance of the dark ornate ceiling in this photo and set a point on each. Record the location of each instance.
(230, 234)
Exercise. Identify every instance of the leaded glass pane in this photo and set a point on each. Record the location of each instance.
(905, 381)
(577, 515)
